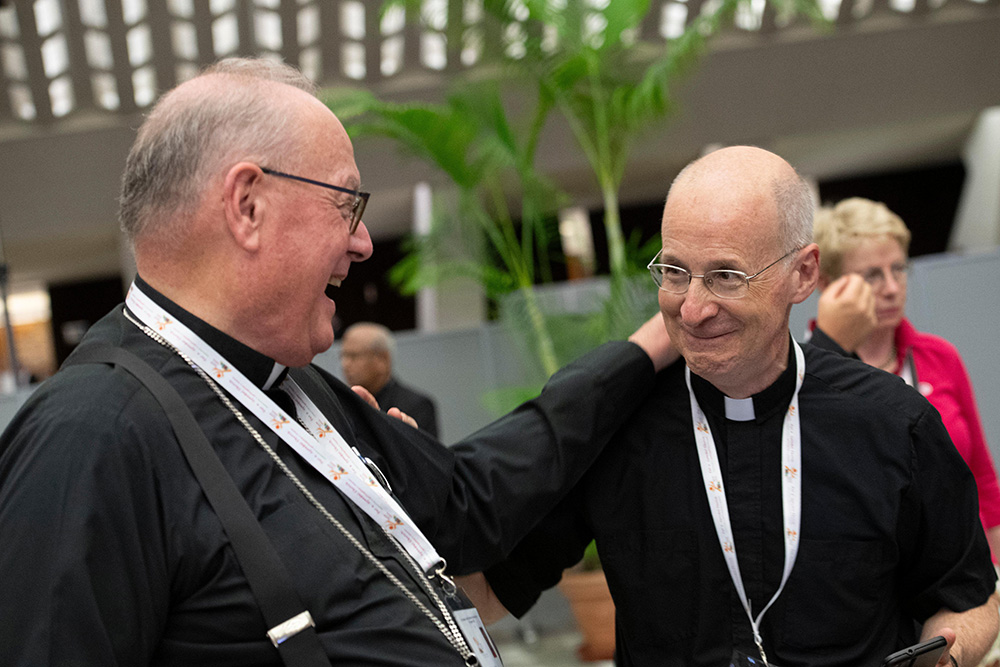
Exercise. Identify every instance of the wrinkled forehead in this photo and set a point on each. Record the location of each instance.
(716, 214)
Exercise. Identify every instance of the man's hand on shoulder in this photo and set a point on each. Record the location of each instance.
(652, 337)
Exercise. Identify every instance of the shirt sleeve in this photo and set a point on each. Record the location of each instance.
(945, 559)
(478, 498)
(538, 561)
(85, 581)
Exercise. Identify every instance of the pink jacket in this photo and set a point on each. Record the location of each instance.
(942, 379)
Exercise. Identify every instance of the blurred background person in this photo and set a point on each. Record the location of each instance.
(864, 265)
(366, 355)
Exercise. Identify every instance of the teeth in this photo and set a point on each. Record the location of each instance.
(335, 282)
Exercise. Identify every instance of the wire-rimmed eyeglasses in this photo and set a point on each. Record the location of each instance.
(357, 205)
(876, 276)
(723, 283)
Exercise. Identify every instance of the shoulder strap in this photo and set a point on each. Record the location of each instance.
(292, 630)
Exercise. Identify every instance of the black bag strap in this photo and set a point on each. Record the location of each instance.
(291, 626)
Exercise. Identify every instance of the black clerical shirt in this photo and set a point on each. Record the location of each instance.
(889, 531)
(111, 555)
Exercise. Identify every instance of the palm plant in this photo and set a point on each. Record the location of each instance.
(602, 65)
(473, 140)
(605, 68)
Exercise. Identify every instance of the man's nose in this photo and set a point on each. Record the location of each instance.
(359, 245)
(699, 303)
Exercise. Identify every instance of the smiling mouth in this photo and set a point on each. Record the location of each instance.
(705, 337)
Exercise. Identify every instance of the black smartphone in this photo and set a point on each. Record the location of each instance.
(924, 654)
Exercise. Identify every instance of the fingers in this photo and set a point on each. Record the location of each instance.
(365, 395)
(849, 291)
(837, 287)
(402, 416)
(848, 286)
(949, 636)
(856, 287)
(392, 412)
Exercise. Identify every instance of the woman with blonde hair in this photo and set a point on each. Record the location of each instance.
(863, 274)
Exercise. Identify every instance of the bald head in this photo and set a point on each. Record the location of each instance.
(366, 355)
(371, 336)
(239, 109)
(736, 175)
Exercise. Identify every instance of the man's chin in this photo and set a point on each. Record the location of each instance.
(706, 365)
(322, 342)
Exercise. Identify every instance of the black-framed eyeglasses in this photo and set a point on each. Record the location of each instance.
(723, 283)
(357, 205)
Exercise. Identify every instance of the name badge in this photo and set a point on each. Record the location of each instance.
(479, 641)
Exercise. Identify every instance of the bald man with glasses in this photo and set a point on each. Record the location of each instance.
(769, 502)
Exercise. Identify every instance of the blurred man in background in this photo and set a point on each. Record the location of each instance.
(366, 356)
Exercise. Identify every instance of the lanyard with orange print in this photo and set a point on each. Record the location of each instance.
(791, 492)
(324, 448)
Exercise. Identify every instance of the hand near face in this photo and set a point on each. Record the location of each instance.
(847, 311)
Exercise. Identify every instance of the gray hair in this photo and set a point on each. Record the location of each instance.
(184, 142)
(794, 201)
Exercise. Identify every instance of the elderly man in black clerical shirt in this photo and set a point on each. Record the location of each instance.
(767, 499)
(366, 354)
(293, 523)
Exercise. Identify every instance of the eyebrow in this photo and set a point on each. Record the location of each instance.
(714, 265)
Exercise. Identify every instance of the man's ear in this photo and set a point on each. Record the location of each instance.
(243, 204)
(805, 274)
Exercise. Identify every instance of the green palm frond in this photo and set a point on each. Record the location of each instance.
(598, 70)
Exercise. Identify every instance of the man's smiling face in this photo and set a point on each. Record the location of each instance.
(727, 218)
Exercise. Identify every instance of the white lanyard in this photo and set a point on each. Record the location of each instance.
(791, 491)
(908, 371)
(322, 446)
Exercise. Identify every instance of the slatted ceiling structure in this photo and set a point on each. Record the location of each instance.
(63, 57)
(898, 82)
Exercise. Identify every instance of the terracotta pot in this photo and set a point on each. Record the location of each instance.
(592, 606)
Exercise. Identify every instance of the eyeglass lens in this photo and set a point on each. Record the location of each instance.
(358, 210)
(724, 283)
(876, 276)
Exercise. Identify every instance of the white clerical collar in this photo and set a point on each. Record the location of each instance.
(739, 409)
(273, 377)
